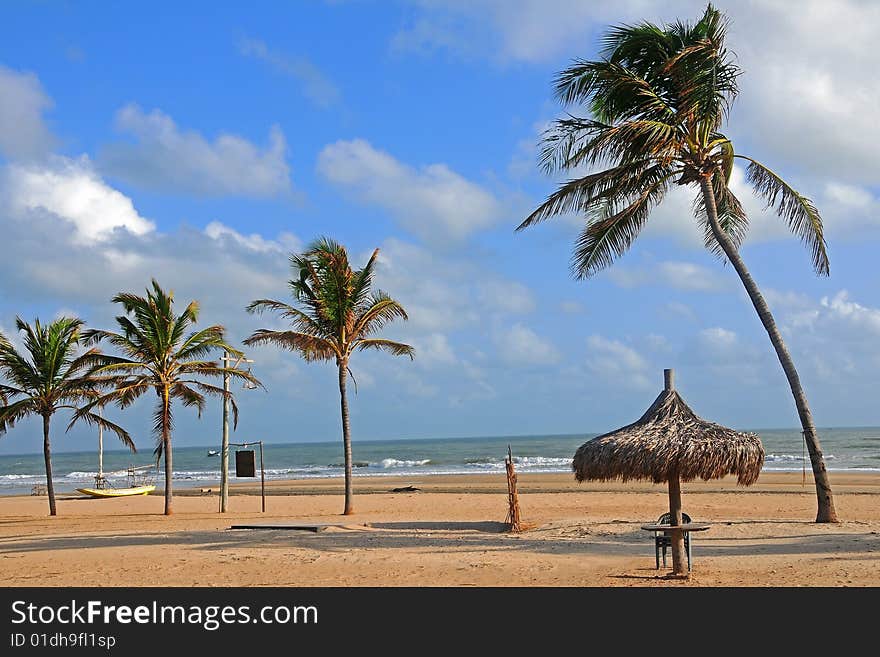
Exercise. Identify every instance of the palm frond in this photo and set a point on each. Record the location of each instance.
(392, 347)
(585, 194)
(380, 310)
(798, 211)
(311, 347)
(611, 233)
(16, 411)
(104, 423)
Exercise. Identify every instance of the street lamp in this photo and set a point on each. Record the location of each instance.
(224, 450)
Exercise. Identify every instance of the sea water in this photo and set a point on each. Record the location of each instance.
(846, 449)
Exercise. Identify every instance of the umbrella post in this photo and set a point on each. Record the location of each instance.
(679, 557)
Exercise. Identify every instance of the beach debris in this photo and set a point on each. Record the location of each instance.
(514, 523)
(406, 489)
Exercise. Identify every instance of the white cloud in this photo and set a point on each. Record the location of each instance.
(689, 276)
(718, 338)
(672, 273)
(806, 107)
(166, 158)
(520, 345)
(658, 343)
(527, 30)
(286, 242)
(434, 349)
(445, 292)
(506, 296)
(722, 353)
(839, 307)
(432, 202)
(828, 62)
(678, 310)
(316, 86)
(71, 191)
(616, 362)
(23, 131)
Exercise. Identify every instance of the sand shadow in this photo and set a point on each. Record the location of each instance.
(485, 526)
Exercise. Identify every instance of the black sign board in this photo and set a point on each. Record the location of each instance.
(244, 463)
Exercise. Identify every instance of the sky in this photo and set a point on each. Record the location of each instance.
(202, 143)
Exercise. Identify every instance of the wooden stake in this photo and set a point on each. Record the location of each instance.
(513, 519)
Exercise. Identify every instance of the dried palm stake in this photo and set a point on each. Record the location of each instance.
(513, 519)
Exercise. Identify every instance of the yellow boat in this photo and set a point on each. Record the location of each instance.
(117, 492)
(137, 481)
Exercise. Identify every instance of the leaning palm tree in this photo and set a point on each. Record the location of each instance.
(658, 98)
(159, 354)
(50, 374)
(339, 315)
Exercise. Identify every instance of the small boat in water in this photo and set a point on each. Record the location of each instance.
(213, 452)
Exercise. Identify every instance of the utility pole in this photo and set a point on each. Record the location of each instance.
(224, 449)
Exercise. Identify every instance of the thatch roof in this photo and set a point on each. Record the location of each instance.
(668, 439)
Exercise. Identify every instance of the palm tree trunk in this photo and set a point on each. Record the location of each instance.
(47, 455)
(166, 450)
(826, 511)
(346, 438)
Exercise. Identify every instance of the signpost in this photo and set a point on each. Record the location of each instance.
(244, 466)
(224, 449)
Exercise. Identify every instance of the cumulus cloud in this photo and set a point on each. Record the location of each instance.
(445, 292)
(286, 242)
(528, 30)
(23, 130)
(506, 296)
(806, 106)
(165, 158)
(616, 362)
(434, 349)
(520, 345)
(677, 310)
(729, 358)
(679, 275)
(432, 201)
(827, 62)
(841, 309)
(316, 86)
(70, 191)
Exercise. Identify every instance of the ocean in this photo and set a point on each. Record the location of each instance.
(846, 449)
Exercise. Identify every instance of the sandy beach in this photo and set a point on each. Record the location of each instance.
(450, 533)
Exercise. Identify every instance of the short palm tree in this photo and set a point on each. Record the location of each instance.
(52, 373)
(658, 98)
(339, 315)
(161, 354)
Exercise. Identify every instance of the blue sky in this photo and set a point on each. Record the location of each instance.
(201, 144)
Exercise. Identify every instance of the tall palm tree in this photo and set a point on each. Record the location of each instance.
(658, 98)
(49, 375)
(339, 315)
(159, 354)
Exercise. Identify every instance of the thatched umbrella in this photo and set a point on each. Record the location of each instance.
(671, 443)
